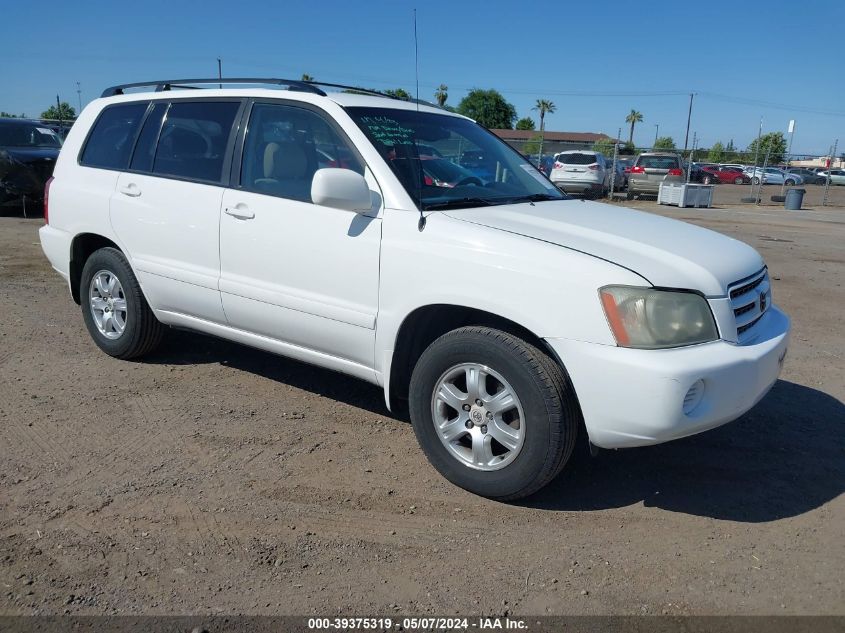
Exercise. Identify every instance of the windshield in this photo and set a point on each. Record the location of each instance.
(445, 161)
(25, 135)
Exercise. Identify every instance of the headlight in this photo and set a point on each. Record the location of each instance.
(651, 319)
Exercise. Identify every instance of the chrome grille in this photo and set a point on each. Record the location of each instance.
(750, 299)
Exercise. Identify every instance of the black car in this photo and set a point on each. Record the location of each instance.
(810, 176)
(28, 152)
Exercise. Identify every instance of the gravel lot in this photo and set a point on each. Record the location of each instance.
(216, 479)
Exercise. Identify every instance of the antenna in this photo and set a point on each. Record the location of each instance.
(421, 223)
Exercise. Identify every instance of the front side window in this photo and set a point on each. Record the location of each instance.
(285, 146)
(193, 139)
(112, 137)
(447, 161)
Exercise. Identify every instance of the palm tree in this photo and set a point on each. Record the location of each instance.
(543, 106)
(633, 118)
(441, 94)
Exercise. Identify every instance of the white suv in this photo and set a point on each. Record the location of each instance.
(506, 317)
(582, 171)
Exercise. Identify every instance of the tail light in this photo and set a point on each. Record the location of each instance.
(558, 165)
(676, 172)
(47, 200)
(637, 170)
(594, 167)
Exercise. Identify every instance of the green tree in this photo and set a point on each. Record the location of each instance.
(64, 111)
(604, 146)
(307, 77)
(525, 123)
(532, 145)
(628, 149)
(489, 108)
(543, 106)
(774, 143)
(9, 115)
(633, 118)
(664, 142)
(399, 93)
(717, 153)
(441, 94)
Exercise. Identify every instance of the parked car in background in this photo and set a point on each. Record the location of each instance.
(581, 171)
(720, 174)
(28, 153)
(837, 176)
(773, 176)
(479, 163)
(809, 176)
(652, 168)
(620, 179)
(737, 166)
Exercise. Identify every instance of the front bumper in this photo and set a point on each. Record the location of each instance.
(632, 397)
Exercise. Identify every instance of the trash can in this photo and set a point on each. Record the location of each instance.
(794, 198)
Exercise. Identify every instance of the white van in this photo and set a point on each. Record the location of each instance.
(507, 318)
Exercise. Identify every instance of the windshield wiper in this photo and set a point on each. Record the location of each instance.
(535, 197)
(461, 203)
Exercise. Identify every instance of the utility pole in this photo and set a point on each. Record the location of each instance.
(689, 118)
(220, 71)
(656, 130)
(79, 96)
(59, 112)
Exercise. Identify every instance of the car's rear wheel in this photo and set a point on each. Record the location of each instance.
(706, 180)
(114, 309)
(755, 180)
(493, 413)
(789, 182)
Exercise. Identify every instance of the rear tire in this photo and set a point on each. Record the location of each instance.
(538, 425)
(114, 309)
(755, 180)
(737, 181)
(789, 182)
(706, 180)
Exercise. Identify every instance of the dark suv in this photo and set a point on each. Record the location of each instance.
(28, 153)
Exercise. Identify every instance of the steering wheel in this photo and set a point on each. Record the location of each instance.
(469, 180)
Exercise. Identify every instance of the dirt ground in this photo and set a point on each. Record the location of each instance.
(212, 478)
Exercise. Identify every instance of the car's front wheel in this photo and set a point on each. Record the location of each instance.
(789, 182)
(492, 412)
(755, 180)
(737, 181)
(114, 309)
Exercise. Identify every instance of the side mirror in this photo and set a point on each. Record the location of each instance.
(341, 189)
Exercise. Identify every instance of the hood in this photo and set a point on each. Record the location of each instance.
(668, 253)
(31, 154)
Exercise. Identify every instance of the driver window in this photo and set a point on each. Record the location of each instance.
(285, 146)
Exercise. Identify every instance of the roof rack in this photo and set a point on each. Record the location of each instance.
(292, 84)
(168, 84)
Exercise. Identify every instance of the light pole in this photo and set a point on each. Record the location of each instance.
(656, 130)
(79, 96)
(220, 71)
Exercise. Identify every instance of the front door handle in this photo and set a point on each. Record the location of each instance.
(240, 211)
(131, 190)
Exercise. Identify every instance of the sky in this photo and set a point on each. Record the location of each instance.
(596, 60)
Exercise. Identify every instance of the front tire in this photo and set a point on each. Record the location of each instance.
(789, 182)
(493, 414)
(114, 309)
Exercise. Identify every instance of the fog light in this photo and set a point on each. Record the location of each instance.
(693, 397)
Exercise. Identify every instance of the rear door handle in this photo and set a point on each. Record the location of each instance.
(131, 190)
(240, 211)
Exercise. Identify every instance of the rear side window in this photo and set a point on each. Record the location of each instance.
(658, 162)
(142, 158)
(109, 145)
(193, 139)
(577, 159)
